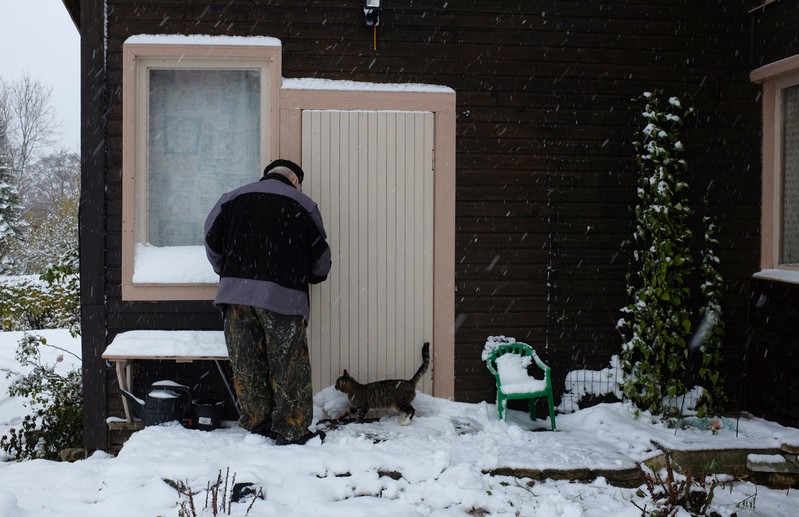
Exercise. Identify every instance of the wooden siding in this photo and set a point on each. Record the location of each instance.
(376, 309)
(545, 171)
(92, 230)
(771, 387)
(775, 32)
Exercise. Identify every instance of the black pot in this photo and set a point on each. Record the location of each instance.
(206, 413)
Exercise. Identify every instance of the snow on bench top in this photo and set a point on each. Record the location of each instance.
(177, 344)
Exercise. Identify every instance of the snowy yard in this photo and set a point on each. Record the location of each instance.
(448, 462)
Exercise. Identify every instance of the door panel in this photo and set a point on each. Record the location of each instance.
(371, 172)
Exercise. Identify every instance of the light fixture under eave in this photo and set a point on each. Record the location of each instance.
(371, 12)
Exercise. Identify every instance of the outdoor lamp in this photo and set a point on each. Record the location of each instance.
(371, 12)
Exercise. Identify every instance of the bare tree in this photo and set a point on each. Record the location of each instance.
(5, 110)
(26, 108)
(47, 185)
(53, 179)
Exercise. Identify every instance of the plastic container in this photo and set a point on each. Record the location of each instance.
(206, 414)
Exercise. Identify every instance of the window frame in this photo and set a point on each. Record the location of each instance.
(140, 54)
(774, 78)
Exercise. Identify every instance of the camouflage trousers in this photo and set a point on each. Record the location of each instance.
(271, 370)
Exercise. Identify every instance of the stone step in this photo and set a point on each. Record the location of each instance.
(773, 470)
(791, 453)
(772, 467)
(790, 448)
(770, 463)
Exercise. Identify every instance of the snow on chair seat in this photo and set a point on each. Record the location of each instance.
(509, 363)
(513, 375)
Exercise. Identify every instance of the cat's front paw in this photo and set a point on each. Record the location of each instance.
(344, 415)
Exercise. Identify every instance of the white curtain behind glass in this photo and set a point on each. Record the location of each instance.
(790, 189)
(203, 140)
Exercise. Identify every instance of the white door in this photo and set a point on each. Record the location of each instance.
(371, 172)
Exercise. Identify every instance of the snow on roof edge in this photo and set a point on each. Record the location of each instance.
(204, 39)
(307, 83)
(313, 83)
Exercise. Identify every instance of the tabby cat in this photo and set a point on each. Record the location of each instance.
(394, 394)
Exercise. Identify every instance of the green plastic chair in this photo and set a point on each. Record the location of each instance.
(518, 384)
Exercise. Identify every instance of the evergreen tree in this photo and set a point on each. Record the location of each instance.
(11, 224)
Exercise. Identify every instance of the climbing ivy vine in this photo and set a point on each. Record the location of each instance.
(658, 324)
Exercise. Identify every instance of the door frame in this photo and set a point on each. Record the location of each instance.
(299, 95)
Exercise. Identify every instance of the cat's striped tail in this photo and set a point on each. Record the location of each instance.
(425, 364)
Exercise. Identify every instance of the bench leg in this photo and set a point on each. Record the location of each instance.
(233, 396)
(123, 380)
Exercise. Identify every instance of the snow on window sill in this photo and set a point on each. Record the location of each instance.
(788, 276)
(172, 265)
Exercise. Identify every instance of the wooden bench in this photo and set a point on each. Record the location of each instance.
(181, 346)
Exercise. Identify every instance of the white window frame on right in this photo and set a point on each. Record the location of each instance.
(777, 78)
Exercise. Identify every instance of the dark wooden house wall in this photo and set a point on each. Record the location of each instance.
(775, 32)
(545, 171)
(92, 238)
(771, 387)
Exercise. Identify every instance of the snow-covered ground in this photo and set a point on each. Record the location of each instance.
(437, 466)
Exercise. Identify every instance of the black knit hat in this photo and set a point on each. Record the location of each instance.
(293, 167)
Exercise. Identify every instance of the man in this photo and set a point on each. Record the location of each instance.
(266, 241)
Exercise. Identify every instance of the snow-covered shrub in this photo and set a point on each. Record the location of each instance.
(55, 399)
(48, 237)
(659, 321)
(51, 301)
(219, 496)
(670, 492)
(55, 422)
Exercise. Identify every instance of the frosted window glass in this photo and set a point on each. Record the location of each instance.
(203, 139)
(790, 185)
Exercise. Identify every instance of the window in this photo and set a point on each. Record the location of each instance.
(199, 119)
(780, 218)
(789, 252)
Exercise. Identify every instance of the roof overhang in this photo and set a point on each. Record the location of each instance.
(73, 8)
